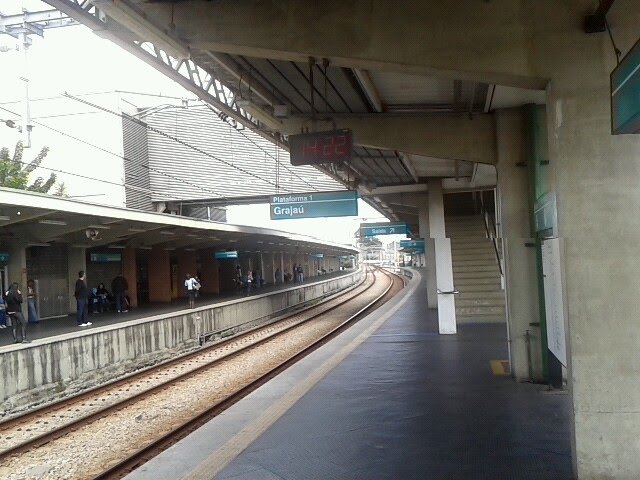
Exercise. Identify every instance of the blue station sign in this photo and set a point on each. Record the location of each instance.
(625, 94)
(373, 229)
(105, 257)
(4, 257)
(228, 254)
(412, 244)
(313, 205)
(316, 255)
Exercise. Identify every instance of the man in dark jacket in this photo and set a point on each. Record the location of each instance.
(82, 298)
(119, 286)
(14, 310)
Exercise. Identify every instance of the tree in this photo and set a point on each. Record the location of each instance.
(14, 173)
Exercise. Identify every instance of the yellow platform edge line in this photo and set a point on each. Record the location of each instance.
(498, 367)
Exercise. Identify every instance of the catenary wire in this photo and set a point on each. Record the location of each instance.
(217, 194)
(171, 137)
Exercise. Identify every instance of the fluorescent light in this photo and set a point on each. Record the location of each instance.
(192, 235)
(142, 27)
(170, 248)
(117, 246)
(144, 248)
(4, 217)
(232, 241)
(137, 230)
(189, 249)
(166, 232)
(100, 227)
(52, 222)
(258, 113)
(38, 245)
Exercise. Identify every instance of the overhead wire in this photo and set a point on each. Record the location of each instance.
(115, 155)
(171, 137)
(276, 158)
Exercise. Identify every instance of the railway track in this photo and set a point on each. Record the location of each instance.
(215, 377)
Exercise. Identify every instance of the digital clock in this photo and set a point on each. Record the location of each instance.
(321, 147)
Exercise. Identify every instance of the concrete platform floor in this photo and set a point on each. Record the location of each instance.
(58, 326)
(404, 403)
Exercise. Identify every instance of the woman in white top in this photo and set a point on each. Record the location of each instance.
(192, 285)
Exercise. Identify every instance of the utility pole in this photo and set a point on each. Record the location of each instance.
(21, 26)
(26, 117)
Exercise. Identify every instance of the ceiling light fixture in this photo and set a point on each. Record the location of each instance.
(259, 114)
(52, 222)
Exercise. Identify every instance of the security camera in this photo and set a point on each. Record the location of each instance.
(92, 233)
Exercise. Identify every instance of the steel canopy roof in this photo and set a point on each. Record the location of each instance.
(38, 220)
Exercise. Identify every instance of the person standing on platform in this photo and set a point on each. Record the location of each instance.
(119, 287)
(14, 310)
(82, 300)
(238, 278)
(300, 274)
(31, 302)
(103, 301)
(3, 313)
(190, 284)
(249, 281)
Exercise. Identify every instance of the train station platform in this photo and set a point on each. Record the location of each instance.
(388, 398)
(53, 327)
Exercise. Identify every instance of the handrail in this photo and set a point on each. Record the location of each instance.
(491, 235)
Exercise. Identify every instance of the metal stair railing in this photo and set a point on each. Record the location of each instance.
(490, 228)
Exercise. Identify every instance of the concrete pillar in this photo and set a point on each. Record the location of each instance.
(159, 275)
(282, 266)
(288, 264)
(77, 260)
(598, 197)
(130, 273)
(268, 261)
(429, 256)
(210, 275)
(186, 264)
(444, 266)
(245, 263)
(518, 253)
(17, 269)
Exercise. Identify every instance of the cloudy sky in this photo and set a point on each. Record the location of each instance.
(87, 143)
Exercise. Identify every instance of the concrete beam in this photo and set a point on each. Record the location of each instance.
(437, 39)
(452, 137)
(420, 187)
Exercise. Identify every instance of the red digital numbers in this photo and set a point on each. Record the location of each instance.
(312, 148)
(335, 146)
(320, 147)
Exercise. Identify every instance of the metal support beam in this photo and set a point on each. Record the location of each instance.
(406, 161)
(33, 22)
(198, 80)
(369, 89)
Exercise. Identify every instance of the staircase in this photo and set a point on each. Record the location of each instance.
(476, 274)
